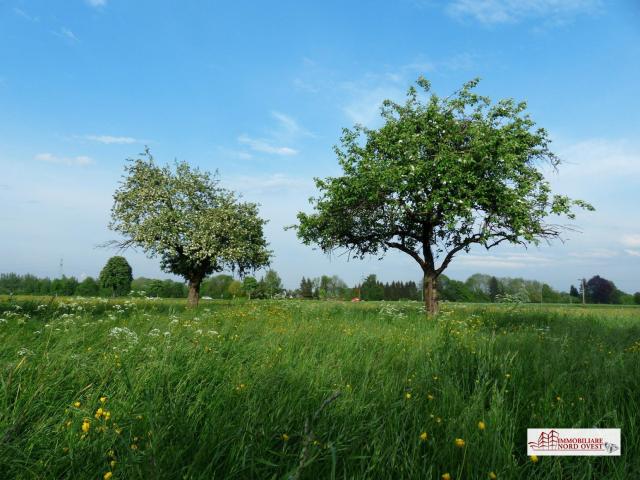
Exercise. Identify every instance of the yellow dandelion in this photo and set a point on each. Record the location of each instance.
(107, 475)
(107, 415)
(77, 404)
(492, 476)
(430, 397)
(86, 425)
(424, 436)
(459, 442)
(407, 395)
(534, 458)
(482, 425)
(99, 413)
(103, 399)
(446, 476)
(285, 437)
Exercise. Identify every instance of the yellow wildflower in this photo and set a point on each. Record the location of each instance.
(407, 395)
(534, 458)
(99, 413)
(134, 446)
(459, 442)
(482, 425)
(446, 476)
(86, 425)
(430, 397)
(112, 463)
(103, 399)
(77, 404)
(423, 436)
(492, 476)
(285, 437)
(107, 475)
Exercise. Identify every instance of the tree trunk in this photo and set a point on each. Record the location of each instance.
(194, 292)
(430, 296)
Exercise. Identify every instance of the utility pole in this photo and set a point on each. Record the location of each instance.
(584, 287)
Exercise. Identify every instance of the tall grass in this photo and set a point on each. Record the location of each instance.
(293, 389)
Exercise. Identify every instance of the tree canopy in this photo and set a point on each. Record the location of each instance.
(184, 216)
(116, 276)
(440, 176)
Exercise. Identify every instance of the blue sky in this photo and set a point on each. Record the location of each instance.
(261, 90)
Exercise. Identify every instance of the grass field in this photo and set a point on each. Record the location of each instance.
(310, 390)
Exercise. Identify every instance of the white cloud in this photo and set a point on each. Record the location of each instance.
(632, 240)
(276, 182)
(265, 146)
(289, 126)
(633, 253)
(25, 15)
(503, 261)
(511, 11)
(78, 161)
(364, 106)
(68, 34)
(97, 3)
(109, 139)
(596, 158)
(594, 253)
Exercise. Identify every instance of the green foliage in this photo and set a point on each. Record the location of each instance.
(601, 290)
(636, 298)
(215, 396)
(271, 284)
(494, 288)
(89, 287)
(116, 276)
(439, 176)
(249, 285)
(235, 289)
(158, 288)
(186, 218)
(306, 288)
(217, 286)
(371, 289)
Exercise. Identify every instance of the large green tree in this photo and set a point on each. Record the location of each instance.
(184, 216)
(438, 177)
(116, 276)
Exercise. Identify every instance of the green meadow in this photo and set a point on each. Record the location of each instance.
(141, 389)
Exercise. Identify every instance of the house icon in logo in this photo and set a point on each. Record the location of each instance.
(546, 441)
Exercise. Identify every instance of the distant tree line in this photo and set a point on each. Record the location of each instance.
(115, 280)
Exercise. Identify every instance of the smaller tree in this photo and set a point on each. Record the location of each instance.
(88, 288)
(636, 298)
(116, 276)
(235, 289)
(186, 218)
(272, 284)
(600, 290)
(573, 292)
(494, 288)
(249, 286)
(306, 288)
